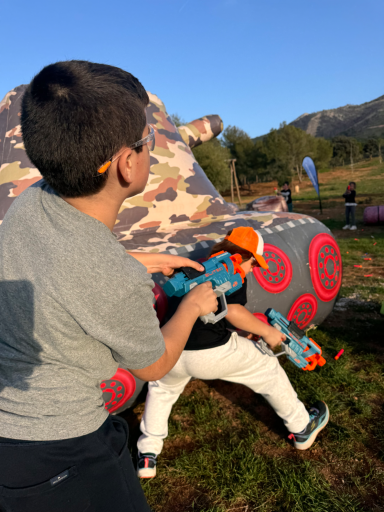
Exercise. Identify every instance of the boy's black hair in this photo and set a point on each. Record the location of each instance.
(75, 116)
(352, 183)
(286, 182)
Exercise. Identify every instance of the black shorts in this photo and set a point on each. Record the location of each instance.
(92, 473)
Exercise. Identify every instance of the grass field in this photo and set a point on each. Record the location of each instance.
(228, 452)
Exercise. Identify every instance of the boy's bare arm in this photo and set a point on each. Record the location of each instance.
(241, 318)
(200, 301)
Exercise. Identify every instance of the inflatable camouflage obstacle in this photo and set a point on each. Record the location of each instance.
(180, 212)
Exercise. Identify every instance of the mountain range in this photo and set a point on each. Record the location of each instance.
(360, 121)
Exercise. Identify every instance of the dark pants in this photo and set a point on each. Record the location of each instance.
(350, 211)
(290, 206)
(92, 473)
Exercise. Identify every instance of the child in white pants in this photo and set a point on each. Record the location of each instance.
(213, 352)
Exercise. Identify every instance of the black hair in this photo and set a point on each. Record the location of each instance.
(75, 116)
(286, 182)
(352, 183)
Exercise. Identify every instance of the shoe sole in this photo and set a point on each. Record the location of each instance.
(307, 444)
(146, 473)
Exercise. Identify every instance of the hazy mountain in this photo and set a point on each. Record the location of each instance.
(360, 121)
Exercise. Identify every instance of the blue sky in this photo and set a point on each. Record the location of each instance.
(255, 63)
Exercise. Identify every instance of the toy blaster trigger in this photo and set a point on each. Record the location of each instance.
(225, 274)
(300, 350)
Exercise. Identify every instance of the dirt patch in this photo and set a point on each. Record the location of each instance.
(182, 496)
(173, 448)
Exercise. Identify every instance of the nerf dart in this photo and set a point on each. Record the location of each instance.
(358, 266)
(300, 350)
(224, 272)
(367, 259)
(368, 275)
(339, 354)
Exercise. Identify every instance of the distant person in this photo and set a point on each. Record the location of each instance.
(286, 193)
(350, 205)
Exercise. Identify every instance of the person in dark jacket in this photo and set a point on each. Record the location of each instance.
(286, 193)
(350, 206)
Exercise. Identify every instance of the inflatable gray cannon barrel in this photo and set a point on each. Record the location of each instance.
(374, 215)
(305, 268)
(180, 212)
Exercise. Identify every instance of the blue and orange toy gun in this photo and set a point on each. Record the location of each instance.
(222, 269)
(302, 351)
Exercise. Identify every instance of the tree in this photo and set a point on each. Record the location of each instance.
(212, 157)
(281, 171)
(287, 147)
(370, 147)
(323, 152)
(177, 120)
(345, 149)
(380, 144)
(241, 147)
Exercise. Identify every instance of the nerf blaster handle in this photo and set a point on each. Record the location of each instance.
(225, 274)
(212, 318)
(300, 350)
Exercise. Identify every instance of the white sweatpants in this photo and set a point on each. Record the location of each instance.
(237, 361)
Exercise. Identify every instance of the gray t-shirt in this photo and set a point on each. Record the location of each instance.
(73, 306)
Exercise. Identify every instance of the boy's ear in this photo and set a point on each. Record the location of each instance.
(124, 165)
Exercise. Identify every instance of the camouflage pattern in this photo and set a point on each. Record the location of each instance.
(201, 130)
(16, 171)
(179, 212)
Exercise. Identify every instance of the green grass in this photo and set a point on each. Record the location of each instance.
(333, 182)
(227, 451)
(227, 459)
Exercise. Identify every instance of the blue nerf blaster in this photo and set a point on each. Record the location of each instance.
(302, 351)
(225, 274)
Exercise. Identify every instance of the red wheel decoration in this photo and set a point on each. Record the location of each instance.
(325, 266)
(303, 310)
(161, 302)
(279, 275)
(118, 390)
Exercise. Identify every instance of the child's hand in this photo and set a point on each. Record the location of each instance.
(274, 338)
(203, 297)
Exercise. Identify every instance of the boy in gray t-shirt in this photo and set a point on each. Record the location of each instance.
(74, 304)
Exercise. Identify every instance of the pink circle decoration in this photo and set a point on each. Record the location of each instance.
(303, 310)
(279, 275)
(381, 214)
(126, 383)
(325, 266)
(160, 302)
(371, 215)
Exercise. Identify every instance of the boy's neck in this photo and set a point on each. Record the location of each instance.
(103, 206)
